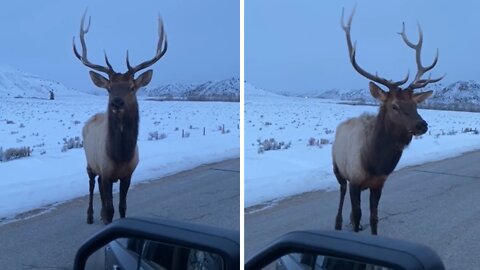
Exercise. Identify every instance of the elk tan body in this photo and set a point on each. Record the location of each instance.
(351, 142)
(95, 144)
(368, 148)
(110, 138)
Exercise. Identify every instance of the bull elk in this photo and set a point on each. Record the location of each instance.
(367, 148)
(110, 138)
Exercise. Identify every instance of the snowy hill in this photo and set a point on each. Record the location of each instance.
(168, 91)
(461, 95)
(225, 90)
(15, 83)
(358, 95)
(252, 91)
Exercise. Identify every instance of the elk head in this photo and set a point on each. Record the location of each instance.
(399, 104)
(121, 87)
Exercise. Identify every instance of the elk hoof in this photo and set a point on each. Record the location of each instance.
(360, 227)
(106, 221)
(89, 220)
(338, 223)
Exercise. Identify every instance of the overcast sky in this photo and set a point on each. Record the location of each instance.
(203, 36)
(298, 45)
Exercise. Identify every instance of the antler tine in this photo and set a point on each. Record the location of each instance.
(399, 83)
(83, 57)
(128, 63)
(161, 50)
(422, 83)
(418, 82)
(106, 60)
(352, 52)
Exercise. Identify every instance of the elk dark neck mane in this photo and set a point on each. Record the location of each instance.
(122, 135)
(385, 146)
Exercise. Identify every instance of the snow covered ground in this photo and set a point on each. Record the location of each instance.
(50, 176)
(273, 175)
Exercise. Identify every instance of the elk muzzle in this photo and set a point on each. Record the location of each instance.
(420, 128)
(117, 105)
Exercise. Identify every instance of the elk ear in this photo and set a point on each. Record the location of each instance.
(420, 97)
(143, 79)
(99, 80)
(377, 92)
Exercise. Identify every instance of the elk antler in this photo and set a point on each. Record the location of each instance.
(161, 50)
(352, 51)
(83, 30)
(418, 82)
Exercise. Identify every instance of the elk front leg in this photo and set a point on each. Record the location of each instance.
(107, 200)
(375, 195)
(102, 197)
(122, 205)
(356, 215)
(343, 190)
(91, 177)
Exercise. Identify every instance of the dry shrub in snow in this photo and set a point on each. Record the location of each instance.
(155, 136)
(271, 144)
(71, 143)
(14, 153)
(315, 142)
(451, 132)
(472, 130)
(324, 141)
(328, 131)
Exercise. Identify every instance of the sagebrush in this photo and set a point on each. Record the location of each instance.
(271, 145)
(14, 153)
(71, 143)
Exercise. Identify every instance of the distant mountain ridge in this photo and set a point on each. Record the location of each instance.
(15, 83)
(224, 90)
(460, 95)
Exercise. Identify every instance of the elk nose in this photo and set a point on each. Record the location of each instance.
(421, 126)
(117, 103)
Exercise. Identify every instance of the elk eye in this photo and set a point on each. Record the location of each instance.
(395, 107)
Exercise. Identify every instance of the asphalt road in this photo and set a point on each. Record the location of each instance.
(436, 204)
(209, 194)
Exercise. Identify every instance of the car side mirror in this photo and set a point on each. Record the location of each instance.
(151, 243)
(334, 250)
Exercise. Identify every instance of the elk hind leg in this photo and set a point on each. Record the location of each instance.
(343, 189)
(122, 205)
(91, 176)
